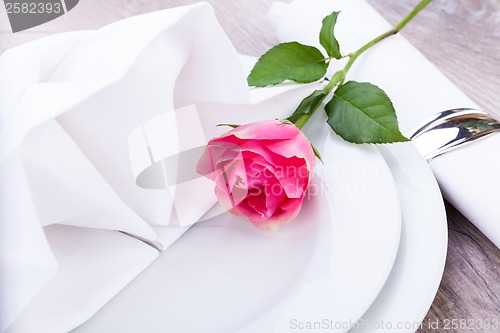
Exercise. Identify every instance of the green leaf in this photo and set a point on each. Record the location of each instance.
(361, 112)
(288, 61)
(327, 37)
(308, 105)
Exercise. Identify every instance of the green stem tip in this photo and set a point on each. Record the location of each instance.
(339, 77)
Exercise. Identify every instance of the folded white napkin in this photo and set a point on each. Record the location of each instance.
(467, 176)
(95, 130)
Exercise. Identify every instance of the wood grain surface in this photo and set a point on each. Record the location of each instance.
(461, 37)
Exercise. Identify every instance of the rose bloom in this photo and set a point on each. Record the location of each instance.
(261, 170)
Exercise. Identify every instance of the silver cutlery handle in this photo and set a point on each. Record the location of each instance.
(450, 129)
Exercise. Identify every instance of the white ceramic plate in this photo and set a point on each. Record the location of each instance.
(415, 277)
(225, 276)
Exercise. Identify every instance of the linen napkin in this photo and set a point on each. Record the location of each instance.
(468, 175)
(84, 118)
(97, 130)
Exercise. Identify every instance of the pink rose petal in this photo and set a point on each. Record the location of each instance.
(261, 170)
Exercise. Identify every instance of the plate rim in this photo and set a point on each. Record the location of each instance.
(416, 312)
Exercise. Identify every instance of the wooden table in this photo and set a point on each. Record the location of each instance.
(461, 37)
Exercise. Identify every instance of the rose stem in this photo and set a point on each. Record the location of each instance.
(338, 77)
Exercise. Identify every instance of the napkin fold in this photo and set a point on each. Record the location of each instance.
(418, 90)
(95, 127)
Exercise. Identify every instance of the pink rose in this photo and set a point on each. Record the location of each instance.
(261, 170)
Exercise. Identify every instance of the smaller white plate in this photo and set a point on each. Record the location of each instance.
(224, 275)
